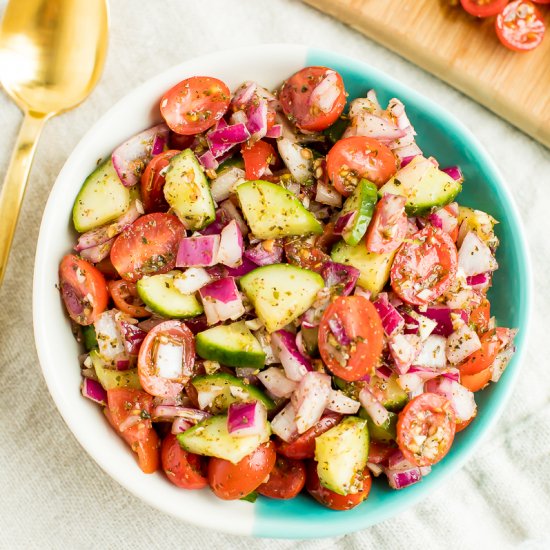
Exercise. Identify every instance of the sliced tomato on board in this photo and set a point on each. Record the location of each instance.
(184, 469)
(152, 182)
(166, 359)
(195, 104)
(126, 299)
(426, 429)
(520, 26)
(388, 226)
(425, 267)
(231, 481)
(129, 412)
(313, 98)
(333, 500)
(351, 337)
(286, 480)
(83, 289)
(356, 157)
(257, 159)
(483, 8)
(148, 246)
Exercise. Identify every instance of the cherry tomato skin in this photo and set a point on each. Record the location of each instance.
(78, 281)
(231, 481)
(426, 412)
(148, 246)
(333, 500)
(257, 159)
(520, 26)
(300, 105)
(356, 157)
(152, 182)
(304, 445)
(286, 480)
(151, 380)
(463, 425)
(182, 468)
(477, 381)
(388, 226)
(195, 104)
(124, 295)
(429, 261)
(305, 253)
(142, 438)
(484, 357)
(483, 8)
(362, 325)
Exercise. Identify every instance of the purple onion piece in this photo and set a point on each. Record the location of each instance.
(260, 256)
(343, 277)
(339, 331)
(454, 171)
(392, 321)
(93, 390)
(246, 267)
(224, 290)
(222, 140)
(208, 161)
(72, 300)
(275, 132)
(215, 228)
(344, 222)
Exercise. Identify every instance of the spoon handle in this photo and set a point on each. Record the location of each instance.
(15, 182)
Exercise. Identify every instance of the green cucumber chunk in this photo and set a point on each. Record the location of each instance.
(310, 339)
(233, 345)
(424, 189)
(211, 438)
(394, 396)
(187, 191)
(385, 433)
(271, 211)
(112, 378)
(336, 131)
(89, 337)
(234, 389)
(362, 201)
(251, 497)
(161, 296)
(374, 268)
(231, 162)
(101, 199)
(341, 454)
(280, 293)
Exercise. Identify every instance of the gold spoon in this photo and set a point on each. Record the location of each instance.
(52, 54)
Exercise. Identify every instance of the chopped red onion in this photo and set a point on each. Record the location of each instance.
(215, 228)
(158, 144)
(297, 159)
(461, 344)
(342, 276)
(327, 194)
(407, 152)
(474, 256)
(373, 406)
(480, 281)
(191, 280)
(198, 251)
(443, 316)
(208, 161)
(344, 222)
(501, 362)
(339, 402)
(97, 253)
(265, 253)
(245, 419)
(173, 411)
(284, 424)
(275, 132)
(325, 94)
(444, 220)
(246, 267)
(233, 213)
(455, 172)
(276, 382)
(284, 346)
(374, 126)
(243, 95)
(223, 184)
(392, 321)
(109, 338)
(257, 119)
(399, 479)
(432, 353)
(404, 349)
(222, 140)
(339, 332)
(180, 425)
(384, 372)
(133, 336)
(230, 252)
(461, 398)
(221, 301)
(93, 390)
(311, 399)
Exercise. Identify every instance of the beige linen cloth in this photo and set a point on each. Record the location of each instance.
(52, 495)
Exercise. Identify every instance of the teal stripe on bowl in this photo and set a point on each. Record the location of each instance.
(444, 137)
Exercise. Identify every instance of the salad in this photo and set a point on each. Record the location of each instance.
(279, 292)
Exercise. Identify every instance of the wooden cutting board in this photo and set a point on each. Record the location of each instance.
(461, 50)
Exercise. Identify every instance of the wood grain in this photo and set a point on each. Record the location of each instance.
(460, 50)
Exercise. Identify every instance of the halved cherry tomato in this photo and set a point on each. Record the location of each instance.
(195, 104)
(148, 246)
(232, 481)
(304, 445)
(484, 357)
(286, 480)
(483, 8)
(520, 26)
(476, 382)
(425, 267)
(126, 298)
(310, 106)
(379, 452)
(152, 182)
(351, 337)
(257, 159)
(83, 289)
(153, 379)
(184, 469)
(388, 226)
(356, 157)
(333, 500)
(304, 252)
(480, 316)
(107, 268)
(426, 429)
(463, 425)
(123, 404)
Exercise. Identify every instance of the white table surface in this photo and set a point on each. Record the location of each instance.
(52, 495)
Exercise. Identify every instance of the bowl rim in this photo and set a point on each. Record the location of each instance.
(40, 333)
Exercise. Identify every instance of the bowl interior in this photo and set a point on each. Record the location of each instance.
(439, 135)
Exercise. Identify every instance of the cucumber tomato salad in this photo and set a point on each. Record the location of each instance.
(277, 291)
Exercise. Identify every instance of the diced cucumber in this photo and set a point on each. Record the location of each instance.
(186, 190)
(310, 339)
(385, 433)
(394, 397)
(374, 268)
(161, 296)
(102, 198)
(271, 211)
(112, 378)
(233, 345)
(425, 188)
(211, 438)
(341, 454)
(89, 337)
(230, 163)
(281, 292)
(336, 131)
(233, 390)
(362, 201)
